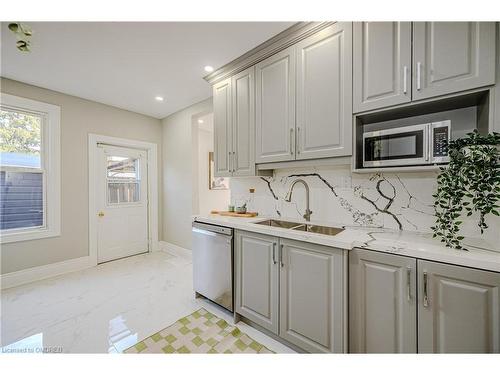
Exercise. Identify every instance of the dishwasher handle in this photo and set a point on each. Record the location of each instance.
(208, 228)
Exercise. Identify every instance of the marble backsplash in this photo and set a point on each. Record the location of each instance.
(383, 200)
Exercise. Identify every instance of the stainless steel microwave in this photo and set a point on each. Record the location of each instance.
(410, 145)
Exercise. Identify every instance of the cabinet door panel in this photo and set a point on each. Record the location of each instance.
(243, 106)
(256, 290)
(452, 56)
(222, 127)
(311, 296)
(382, 63)
(382, 297)
(275, 107)
(461, 314)
(324, 96)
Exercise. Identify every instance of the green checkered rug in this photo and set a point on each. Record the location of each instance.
(200, 332)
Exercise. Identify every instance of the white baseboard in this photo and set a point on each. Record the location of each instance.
(30, 275)
(174, 249)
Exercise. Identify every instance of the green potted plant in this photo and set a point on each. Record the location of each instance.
(470, 183)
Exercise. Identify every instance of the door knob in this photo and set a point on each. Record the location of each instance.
(100, 214)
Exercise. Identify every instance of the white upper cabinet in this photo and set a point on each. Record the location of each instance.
(381, 64)
(222, 128)
(324, 95)
(243, 129)
(447, 57)
(234, 125)
(275, 107)
(452, 56)
(297, 103)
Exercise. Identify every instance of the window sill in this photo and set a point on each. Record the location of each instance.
(28, 235)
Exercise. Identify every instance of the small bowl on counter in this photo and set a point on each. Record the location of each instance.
(241, 210)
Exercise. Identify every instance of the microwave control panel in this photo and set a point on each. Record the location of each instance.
(440, 141)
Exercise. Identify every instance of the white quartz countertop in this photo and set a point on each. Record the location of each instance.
(407, 243)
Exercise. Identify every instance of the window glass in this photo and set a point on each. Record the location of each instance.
(120, 167)
(21, 187)
(20, 139)
(21, 200)
(123, 192)
(123, 180)
(30, 171)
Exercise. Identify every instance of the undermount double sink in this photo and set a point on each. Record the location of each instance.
(304, 227)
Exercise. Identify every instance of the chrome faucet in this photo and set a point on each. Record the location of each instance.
(288, 197)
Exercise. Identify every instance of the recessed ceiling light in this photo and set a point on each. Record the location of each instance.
(200, 121)
(159, 98)
(209, 69)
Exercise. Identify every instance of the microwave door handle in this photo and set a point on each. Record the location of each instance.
(428, 143)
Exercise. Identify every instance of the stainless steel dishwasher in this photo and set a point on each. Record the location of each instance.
(213, 263)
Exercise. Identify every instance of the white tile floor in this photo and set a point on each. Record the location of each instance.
(107, 308)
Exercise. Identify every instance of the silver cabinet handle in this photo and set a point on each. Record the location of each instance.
(229, 168)
(234, 161)
(419, 68)
(281, 256)
(274, 253)
(426, 297)
(297, 141)
(408, 284)
(291, 141)
(405, 79)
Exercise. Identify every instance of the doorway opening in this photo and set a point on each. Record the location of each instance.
(212, 193)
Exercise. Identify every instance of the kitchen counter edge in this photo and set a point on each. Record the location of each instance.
(404, 243)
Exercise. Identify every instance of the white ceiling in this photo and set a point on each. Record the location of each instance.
(127, 64)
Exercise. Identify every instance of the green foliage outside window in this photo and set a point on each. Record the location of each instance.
(20, 133)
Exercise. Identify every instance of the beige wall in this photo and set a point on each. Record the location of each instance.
(79, 117)
(180, 144)
(495, 127)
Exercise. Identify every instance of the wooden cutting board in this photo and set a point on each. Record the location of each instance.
(234, 214)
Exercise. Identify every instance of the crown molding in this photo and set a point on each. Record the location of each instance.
(277, 43)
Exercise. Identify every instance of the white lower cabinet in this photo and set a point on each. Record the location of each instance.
(382, 303)
(397, 304)
(458, 307)
(312, 296)
(257, 279)
(303, 281)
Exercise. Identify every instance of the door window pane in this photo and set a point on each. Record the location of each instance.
(21, 200)
(120, 167)
(123, 180)
(20, 139)
(123, 192)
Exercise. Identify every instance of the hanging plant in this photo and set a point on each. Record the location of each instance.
(471, 181)
(23, 33)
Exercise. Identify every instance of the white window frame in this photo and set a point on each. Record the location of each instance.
(50, 166)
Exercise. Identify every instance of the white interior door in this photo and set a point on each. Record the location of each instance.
(122, 202)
